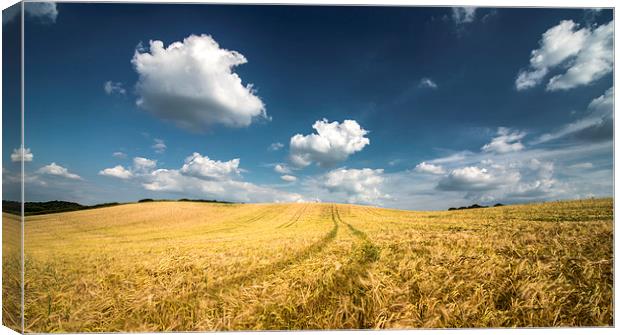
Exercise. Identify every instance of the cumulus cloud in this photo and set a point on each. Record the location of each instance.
(531, 174)
(116, 172)
(333, 143)
(288, 178)
(119, 154)
(507, 140)
(427, 82)
(231, 190)
(276, 146)
(425, 167)
(111, 87)
(359, 185)
(527, 175)
(467, 178)
(200, 177)
(596, 125)
(462, 15)
(282, 168)
(165, 180)
(586, 53)
(192, 83)
(536, 180)
(159, 146)
(141, 164)
(593, 61)
(57, 170)
(22, 153)
(203, 167)
(473, 178)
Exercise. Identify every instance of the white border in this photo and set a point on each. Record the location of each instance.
(477, 3)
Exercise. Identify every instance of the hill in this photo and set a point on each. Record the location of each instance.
(56, 206)
(190, 266)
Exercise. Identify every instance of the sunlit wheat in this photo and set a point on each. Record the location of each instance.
(197, 266)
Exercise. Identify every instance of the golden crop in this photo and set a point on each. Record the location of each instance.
(195, 266)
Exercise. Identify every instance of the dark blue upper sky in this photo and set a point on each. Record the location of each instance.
(432, 85)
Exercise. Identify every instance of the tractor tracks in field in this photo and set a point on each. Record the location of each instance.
(346, 285)
(369, 251)
(356, 232)
(282, 264)
(364, 252)
(295, 218)
(241, 223)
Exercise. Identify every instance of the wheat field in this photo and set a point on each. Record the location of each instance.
(178, 266)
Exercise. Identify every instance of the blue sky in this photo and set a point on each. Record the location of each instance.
(406, 107)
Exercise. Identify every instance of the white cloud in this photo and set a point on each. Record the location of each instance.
(192, 83)
(288, 178)
(536, 180)
(333, 143)
(119, 154)
(530, 78)
(587, 53)
(200, 166)
(506, 141)
(222, 189)
(276, 146)
(593, 61)
(425, 167)
(473, 178)
(159, 146)
(462, 15)
(526, 175)
(24, 154)
(141, 164)
(203, 178)
(111, 87)
(165, 180)
(580, 166)
(427, 82)
(455, 157)
(282, 168)
(531, 174)
(117, 172)
(596, 125)
(358, 185)
(543, 169)
(57, 170)
(45, 11)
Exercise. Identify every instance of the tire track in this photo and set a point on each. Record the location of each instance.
(356, 232)
(347, 285)
(355, 271)
(281, 264)
(295, 218)
(372, 211)
(236, 225)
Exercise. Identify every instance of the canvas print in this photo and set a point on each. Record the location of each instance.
(211, 167)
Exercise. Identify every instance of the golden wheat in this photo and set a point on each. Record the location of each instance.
(195, 266)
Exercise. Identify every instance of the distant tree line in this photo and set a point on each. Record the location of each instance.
(473, 207)
(49, 207)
